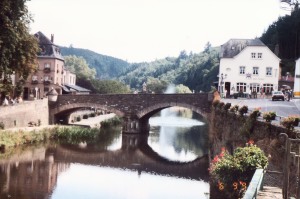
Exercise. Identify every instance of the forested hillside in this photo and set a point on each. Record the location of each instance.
(283, 38)
(197, 71)
(107, 67)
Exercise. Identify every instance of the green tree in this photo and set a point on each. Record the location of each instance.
(18, 48)
(79, 66)
(182, 89)
(155, 85)
(109, 87)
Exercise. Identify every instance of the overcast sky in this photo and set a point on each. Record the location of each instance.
(145, 30)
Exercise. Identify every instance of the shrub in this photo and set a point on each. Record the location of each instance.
(227, 106)
(78, 119)
(85, 116)
(243, 110)
(234, 109)
(92, 115)
(255, 114)
(290, 121)
(268, 116)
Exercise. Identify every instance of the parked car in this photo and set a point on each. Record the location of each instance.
(277, 95)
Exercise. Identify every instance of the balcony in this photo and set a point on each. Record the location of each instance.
(34, 81)
(47, 82)
(47, 70)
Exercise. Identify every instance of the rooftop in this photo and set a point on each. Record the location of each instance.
(234, 46)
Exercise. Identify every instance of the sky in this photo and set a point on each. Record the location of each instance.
(146, 30)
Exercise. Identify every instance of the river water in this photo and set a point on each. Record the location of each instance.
(169, 161)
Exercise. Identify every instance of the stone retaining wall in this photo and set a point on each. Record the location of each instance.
(19, 115)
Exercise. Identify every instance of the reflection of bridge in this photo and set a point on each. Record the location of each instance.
(33, 174)
(135, 154)
(136, 109)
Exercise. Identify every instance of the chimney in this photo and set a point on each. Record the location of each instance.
(52, 38)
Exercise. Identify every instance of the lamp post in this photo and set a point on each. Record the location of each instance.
(221, 82)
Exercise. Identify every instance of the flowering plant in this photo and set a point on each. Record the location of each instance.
(268, 116)
(255, 113)
(290, 121)
(232, 172)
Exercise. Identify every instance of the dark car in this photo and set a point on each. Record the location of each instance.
(277, 95)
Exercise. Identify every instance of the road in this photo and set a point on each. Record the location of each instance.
(282, 108)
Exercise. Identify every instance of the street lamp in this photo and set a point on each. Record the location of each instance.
(221, 82)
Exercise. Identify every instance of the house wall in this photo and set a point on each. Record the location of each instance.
(19, 115)
(231, 67)
(39, 88)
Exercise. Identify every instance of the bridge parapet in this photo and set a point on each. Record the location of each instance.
(134, 108)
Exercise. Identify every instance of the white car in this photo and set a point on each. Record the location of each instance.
(277, 95)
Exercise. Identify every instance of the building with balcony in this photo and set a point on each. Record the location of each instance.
(50, 73)
(247, 66)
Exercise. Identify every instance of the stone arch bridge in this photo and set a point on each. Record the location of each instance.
(135, 109)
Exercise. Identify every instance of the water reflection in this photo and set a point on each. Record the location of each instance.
(178, 138)
(112, 166)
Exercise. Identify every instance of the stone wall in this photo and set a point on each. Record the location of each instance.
(19, 115)
(231, 130)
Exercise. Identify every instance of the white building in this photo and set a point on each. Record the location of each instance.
(247, 65)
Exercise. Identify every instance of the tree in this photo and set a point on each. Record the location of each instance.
(79, 66)
(18, 48)
(182, 89)
(109, 87)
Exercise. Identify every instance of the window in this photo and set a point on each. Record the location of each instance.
(253, 55)
(267, 88)
(254, 87)
(269, 71)
(240, 87)
(47, 65)
(242, 70)
(255, 70)
(34, 78)
(259, 55)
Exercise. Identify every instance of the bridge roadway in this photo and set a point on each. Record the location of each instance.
(135, 109)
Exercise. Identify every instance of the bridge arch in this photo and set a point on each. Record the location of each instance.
(151, 110)
(65, 110)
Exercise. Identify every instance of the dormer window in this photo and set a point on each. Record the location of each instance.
(34, 78)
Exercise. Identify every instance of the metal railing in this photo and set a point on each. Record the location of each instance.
(255, 184)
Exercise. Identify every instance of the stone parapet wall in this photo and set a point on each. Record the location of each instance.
(19, 115)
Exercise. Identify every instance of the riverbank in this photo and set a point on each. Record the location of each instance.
(27, 135)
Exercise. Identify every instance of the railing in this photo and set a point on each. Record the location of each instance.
(255, 184)
(291, 157)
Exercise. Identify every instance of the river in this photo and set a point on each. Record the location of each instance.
(169, 161)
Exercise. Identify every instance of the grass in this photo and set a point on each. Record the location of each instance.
(115, 121)
(68, 134)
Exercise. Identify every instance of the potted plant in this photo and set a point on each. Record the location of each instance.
(243, 110)
(232, 173)
(290, 121)
(255, 113)
(268, 116)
